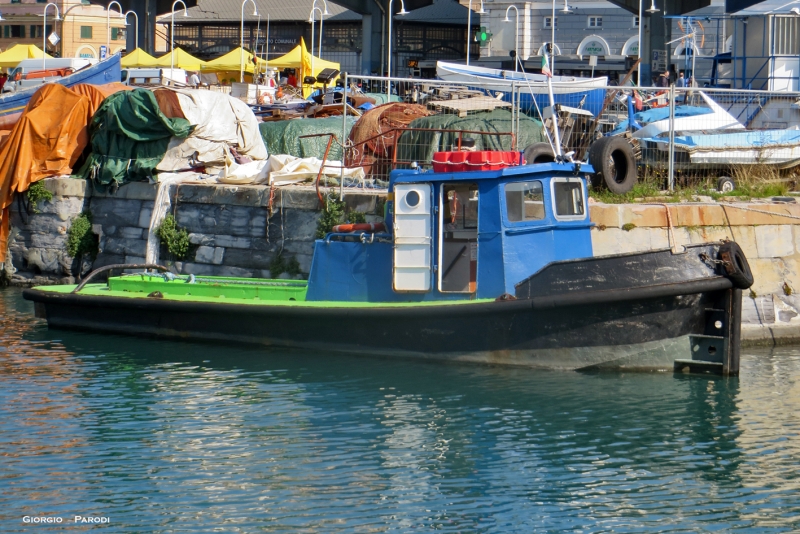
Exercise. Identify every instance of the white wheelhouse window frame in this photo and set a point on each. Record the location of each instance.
(553, 182)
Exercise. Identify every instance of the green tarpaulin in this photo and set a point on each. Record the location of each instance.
(420, 146)
(283, 137)
(129, 136)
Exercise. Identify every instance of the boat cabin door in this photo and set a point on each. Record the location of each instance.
(458, 238)
(412, 237)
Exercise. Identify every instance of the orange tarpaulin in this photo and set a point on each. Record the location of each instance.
(47, 141)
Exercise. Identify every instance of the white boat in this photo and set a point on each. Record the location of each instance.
(586, 93)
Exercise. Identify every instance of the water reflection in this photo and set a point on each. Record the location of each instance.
(168, 435)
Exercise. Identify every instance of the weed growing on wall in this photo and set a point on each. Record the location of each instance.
(37, 192)
(173, 237)
(280, 265)
(80, 239)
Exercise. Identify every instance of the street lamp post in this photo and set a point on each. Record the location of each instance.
(241, 39)
(651, 10)
(516, 35)
(389, 58)
(469, 24)
(321, 19)
(172, 34)
(311, 19)
(44, 32)
(136, 18)
(108, 24)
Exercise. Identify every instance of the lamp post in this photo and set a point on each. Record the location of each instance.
(389, 58)
(241, 39)
(311, 19)
(641, 21)
(321, 19)
(108, 24)
(172, 34)
(44, 32)
(516, 34)
(469, 24)
(136, 18)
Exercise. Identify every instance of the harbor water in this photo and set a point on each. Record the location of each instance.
(163, 436)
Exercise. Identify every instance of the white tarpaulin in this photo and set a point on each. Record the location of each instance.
(220, 121)
(284, 170)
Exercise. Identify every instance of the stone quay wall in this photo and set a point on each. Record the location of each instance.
(239, 230)
(233, 230)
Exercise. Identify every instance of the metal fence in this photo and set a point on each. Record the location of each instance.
(677, 136)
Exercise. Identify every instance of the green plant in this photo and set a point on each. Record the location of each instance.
(279, 265)
(628, 227)
(356, 217)
(176, 239)
(37, 192)
(380, 206)
(80, 239)
(332, 215)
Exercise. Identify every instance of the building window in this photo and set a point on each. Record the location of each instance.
(16, 1)
(86, 32)
(14, 31)
(595, 22)
(117, 33)
(548, 23)
(635, 22)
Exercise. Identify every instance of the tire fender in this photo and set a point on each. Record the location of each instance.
(538, 153)
(614, 164)
(735, 265)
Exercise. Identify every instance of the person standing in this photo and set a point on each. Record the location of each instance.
(663, 80)
(194, 80)
(681, 81)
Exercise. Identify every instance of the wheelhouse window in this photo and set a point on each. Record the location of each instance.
(524, 201)
(568, 199)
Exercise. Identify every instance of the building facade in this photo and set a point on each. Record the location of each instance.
(82, 31)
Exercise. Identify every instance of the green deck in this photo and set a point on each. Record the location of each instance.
(249, 291)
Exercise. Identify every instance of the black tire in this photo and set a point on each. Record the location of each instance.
(538, 153)
(735, 265)
(725, 184)
(614, 164)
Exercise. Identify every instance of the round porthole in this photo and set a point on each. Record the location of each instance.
(412, 199)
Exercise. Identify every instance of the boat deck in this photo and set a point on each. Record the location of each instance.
(210, 289)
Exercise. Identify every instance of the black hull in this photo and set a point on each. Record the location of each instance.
(535, 332)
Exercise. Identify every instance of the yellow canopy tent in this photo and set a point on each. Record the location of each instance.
(230, 62)
(15, 54)
(183, 60)
(138, 58)
(301, 59)
(226, 67)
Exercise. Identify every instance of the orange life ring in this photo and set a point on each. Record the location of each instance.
(265, 98)
(359, 227)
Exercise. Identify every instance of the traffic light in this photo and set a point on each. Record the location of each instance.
(483, 36)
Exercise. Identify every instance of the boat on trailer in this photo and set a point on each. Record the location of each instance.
(484, 260)
(574, 91)
(106, 71)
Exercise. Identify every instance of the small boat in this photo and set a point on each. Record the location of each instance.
(106, 71)
(586, 93)
(484, 260)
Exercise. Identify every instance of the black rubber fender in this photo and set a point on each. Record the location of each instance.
(538, 153)
(614, 164)
(735, 264)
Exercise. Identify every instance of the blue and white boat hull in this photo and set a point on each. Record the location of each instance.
(573, 91)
